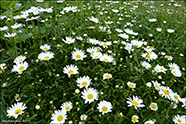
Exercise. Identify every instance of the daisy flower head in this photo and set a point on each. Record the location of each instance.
(134, 119)
(90, 94)
(93, 41)
(169, 57)
(59, 116)
(103, 29)
(105, 44)
(91, 27)
(10, 35)
(69, 40)
(16, 110)
(67, 106)
(83, 117)
(152, 20)
(70, 69)
(78, 54)
(183, 100)
(104, 107)
(159, 29)
(146, 65)
(173, 66)
(19, 59)
(17, 97)
(170, 30)
(20, 67)
(176, 73)
(165, 91)
(106, 58)
(156, 85)
(137, 43)
(70, 8)
(149, 122)
(136, 102)
(125, 36)
(79, 38)
(96, 55)
(153, 106)
(119, 30)
(92, 50)
(131, 85)
(175, 97)
(45, 47)
(107, 76)
(96, 20)
(83, 81)
(179, 119)
(3, 66)
(45, 55)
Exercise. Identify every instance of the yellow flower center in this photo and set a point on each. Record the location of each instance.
(161, 68)
(68, 41)
(92, 52)
(70, 8)
(107, 76)
(96, 57)
(102, 28)
(134, 119)
(90, 96)
(149, 51)
(156, 86)
(60, 118)
(18, 111)
(148, 123)
(78, 56)
(168, 57)
(104, 44)
(131, 85)
(20, 60)
(46, 57)
(175, 96)
(67, 108)
(172, 67)
(106, 59)
(18, 98)
(148, 56)
(93, 42)
(179, 120)
(153, 106)
(45, 48)
(135, 103)
(150, 47)
(84, 83)
(185, 101)
(70, 71)
(123, 36)
(98, 48)
(104, 108)
(20, 16)
(166, 92)
(21, 68)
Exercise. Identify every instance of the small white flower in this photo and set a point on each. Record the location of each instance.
(104, 107)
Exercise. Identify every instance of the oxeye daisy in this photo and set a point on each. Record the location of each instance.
(104, 107)
(67, 106)
(170, 30)
(3, 67)
(107, 76)
(154, 106)
(90, 94)
(183, 100)
(19, 59)
(103, 29)
(83, 117)
(179, 119)
(136, 102)
(70, 69)
(96, 20)
(59, 116)
(146, 65)
(83, 81)
(92, 50)
(125, 36)
(16, 109)
(176, 73)
(173, 66)
(17, 97)
(45, 55)
(175, 97)
(93, 41)
(78, 54)
(165, 91)
(20, 67)
(69, 40)
(105, 44)
(96, 55)
(149, 122)
(131, 85)
(45, 47)
(134, 119)
(106, 58)
(156, 85)
(169, 57)
(79, 38)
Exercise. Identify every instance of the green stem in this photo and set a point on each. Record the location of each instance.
(128, 113)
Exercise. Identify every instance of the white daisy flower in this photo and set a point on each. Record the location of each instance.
(149, 122)
(83, 117)
(119, 30)
(3, 66)
(183, 100)
(70, 8)
(89, 95)
(20, 67)
(131, 85)
(69, 40)
(106, 58)
(104, 107)
(19, 59)
(67, 106)
(79, 38)
(137, 43)
(150, 56)
(176, 73)
(173, 66)
(45, 47)
(45, 55)
(175, 97)
(146, 65)
(179, 119)
(136, 102)
(16, 110)
(93, 41)
(165, 91)
(92, 50)
(152, 20)
(96, 20)
(170, 30)
(59, 116)
(4, 85)
(169, 57)
(78, 54)
(105, 44)
(128, 47)
(159, 29)
(153, 106)
(156, 85)
(107, 76)
(10, 35)
(70, 69)
(125, 36)
(96, 55)
(134, 119)
(103, 29)
(83, 81)
(17, 97)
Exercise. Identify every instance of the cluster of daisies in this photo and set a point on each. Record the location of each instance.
(45, 55)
